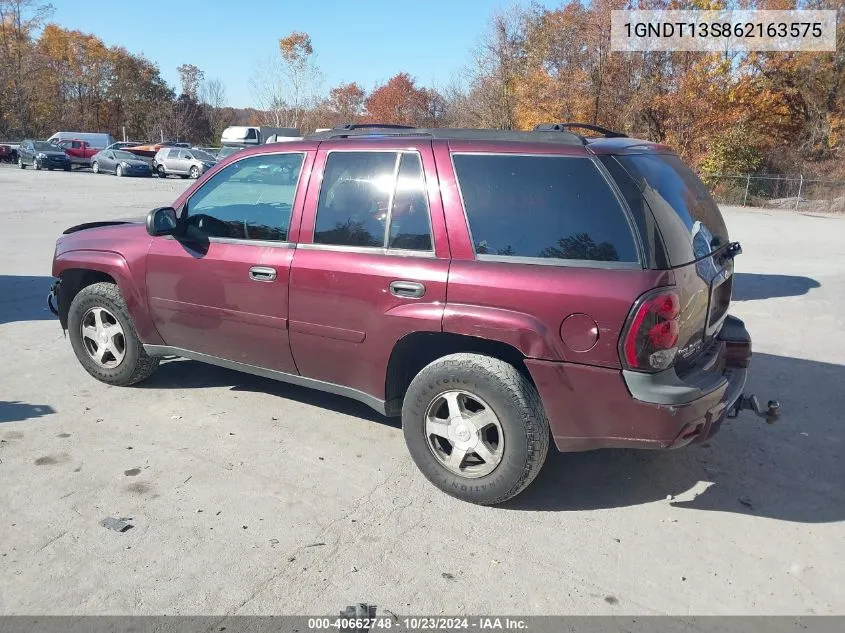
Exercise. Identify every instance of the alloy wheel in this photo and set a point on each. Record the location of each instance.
(103, 338)
(464, 434)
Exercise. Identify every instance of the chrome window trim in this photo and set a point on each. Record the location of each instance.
(399, 153)
(185, 210)
(554, 261)
(549, 261)
(370, 250)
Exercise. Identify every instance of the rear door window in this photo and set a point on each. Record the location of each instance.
(547, 208)
(689, 219)
(374, 199)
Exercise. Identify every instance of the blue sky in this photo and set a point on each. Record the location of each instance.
(367, 41)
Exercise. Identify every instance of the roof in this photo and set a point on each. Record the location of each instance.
(464, 134)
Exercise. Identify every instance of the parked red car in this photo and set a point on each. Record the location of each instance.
(80, 152)
(492, 288)
(8, 154)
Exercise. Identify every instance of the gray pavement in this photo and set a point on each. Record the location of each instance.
(254, 497)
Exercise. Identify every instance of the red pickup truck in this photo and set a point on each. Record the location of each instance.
(80, 152)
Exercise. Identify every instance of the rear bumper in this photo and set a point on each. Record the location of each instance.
(595, 407)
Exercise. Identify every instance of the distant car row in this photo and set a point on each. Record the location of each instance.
(99, 151)
(163, 160)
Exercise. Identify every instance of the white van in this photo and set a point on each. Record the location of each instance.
(258, 135)
(97, 140)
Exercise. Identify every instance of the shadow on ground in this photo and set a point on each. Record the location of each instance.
(24, 298)
(792, 471)
(15, 411)
(754, 286)
(188, 374)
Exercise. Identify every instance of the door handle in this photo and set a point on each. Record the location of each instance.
(262, 273)
(407, 289)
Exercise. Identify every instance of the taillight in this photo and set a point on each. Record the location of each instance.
(651, 338)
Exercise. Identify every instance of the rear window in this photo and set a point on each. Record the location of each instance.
(543, 207)
(691, 223)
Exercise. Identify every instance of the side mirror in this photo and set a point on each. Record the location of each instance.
(162, 221)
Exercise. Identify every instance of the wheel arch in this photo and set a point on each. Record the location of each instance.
(416, 350)
(74, 280)
(82, 268)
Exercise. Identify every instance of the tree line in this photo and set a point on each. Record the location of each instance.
(724, 113)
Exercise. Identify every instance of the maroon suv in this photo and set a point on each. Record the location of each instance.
(492, 288)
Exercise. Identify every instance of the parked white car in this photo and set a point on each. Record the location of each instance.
(179, 161)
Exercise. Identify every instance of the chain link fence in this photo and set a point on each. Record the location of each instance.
(778, 192)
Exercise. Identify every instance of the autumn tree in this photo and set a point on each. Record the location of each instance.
(190, 78)
(285, 84)
(347, 101)
(401, 102)
(213, 99)
(19, 21)
(496, 72)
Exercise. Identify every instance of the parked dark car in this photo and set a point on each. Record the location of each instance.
(497, 290)
(226, 151)
(119, 163)
(8, 154)
(125, 144)
(42, 155)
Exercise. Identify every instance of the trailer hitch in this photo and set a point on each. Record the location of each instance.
(751, 403)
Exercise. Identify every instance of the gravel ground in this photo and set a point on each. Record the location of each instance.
(249, 496)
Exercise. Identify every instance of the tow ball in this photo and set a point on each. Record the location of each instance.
(750, 403)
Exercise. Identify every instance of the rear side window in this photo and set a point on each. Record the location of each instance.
(365, 192)
(689, 219)
(544, 207)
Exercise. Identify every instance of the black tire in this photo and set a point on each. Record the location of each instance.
(118, 171)
(512, 398)
(137, 364)
(195, 172)
(160, 171)
(37, 164)
(67, 168)
(20, 163)
(95, 167)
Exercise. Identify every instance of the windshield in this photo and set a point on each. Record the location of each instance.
(201, 155)
(124, 155)
(689, 219)
(226, 151)
(44, 146)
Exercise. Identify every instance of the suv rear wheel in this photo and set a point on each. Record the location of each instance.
(475, 427)
(104, 339)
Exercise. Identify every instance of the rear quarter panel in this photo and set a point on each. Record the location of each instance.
(524, 305)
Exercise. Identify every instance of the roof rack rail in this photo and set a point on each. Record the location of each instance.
(370, 126)
(463, 134)
(560, 127)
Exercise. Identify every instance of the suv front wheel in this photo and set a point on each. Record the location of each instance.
(104, 339)
(475, 427)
